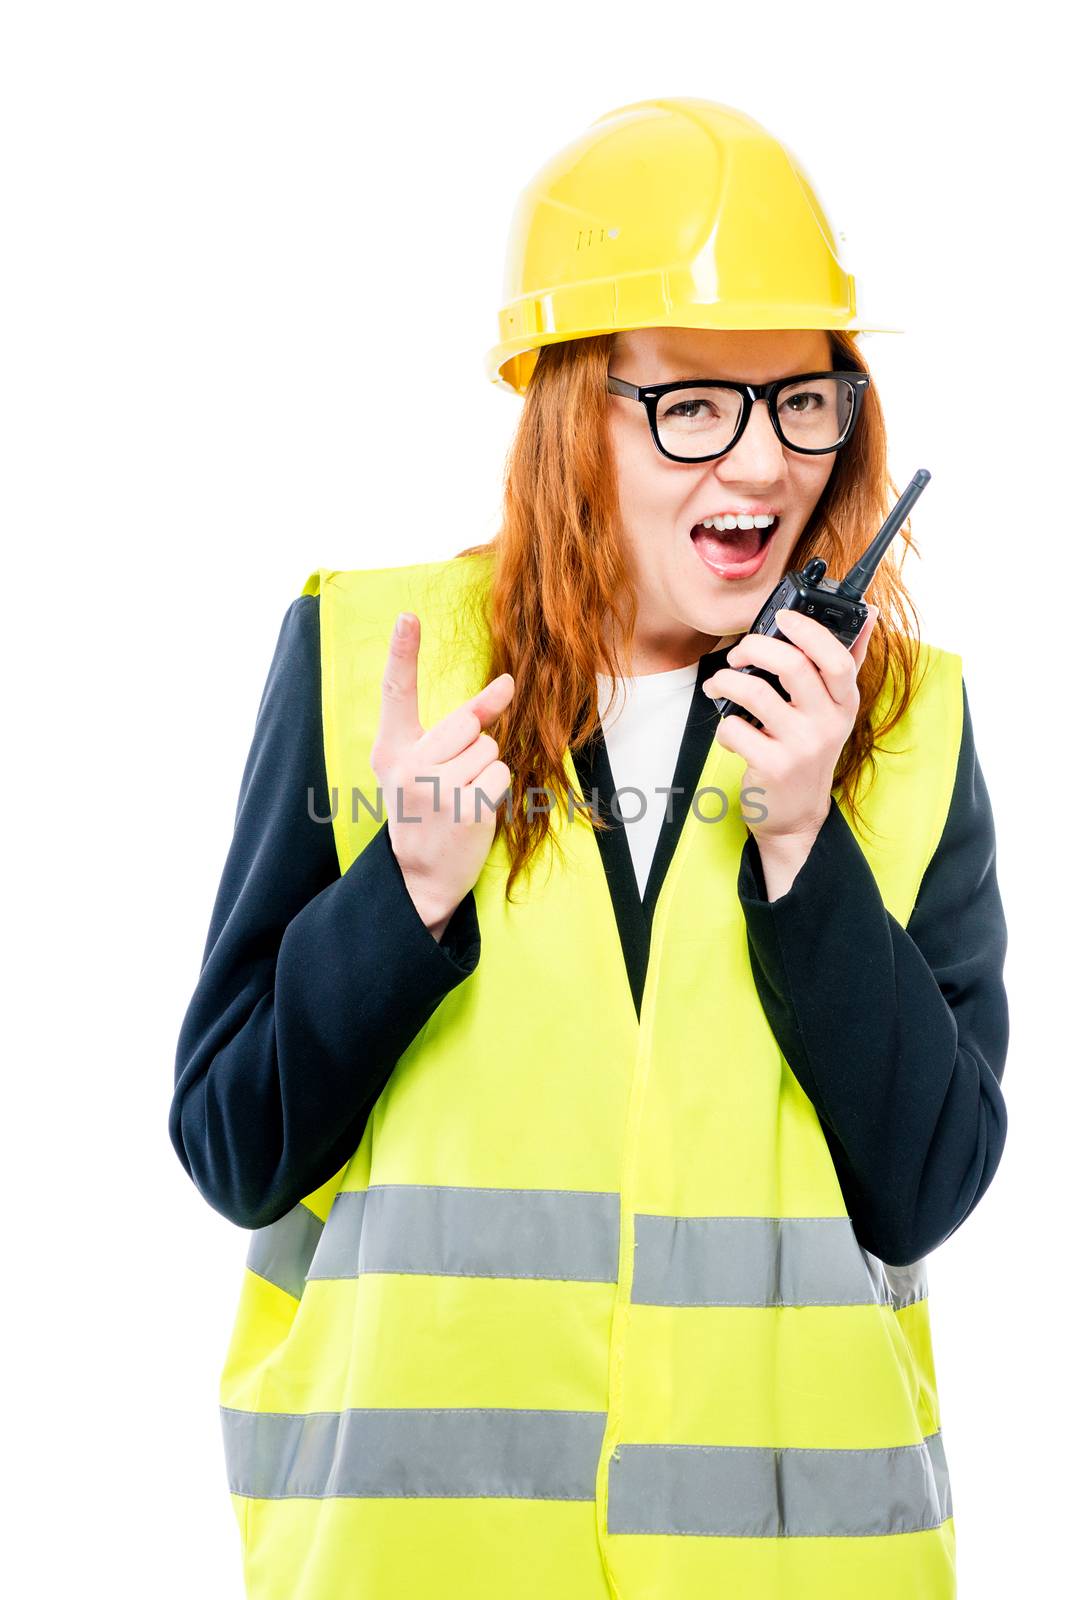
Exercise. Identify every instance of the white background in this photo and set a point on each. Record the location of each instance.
(231, 234)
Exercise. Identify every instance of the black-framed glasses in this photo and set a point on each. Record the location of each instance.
(701, 419)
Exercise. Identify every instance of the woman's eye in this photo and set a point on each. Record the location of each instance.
(687, 409)
(807, 395)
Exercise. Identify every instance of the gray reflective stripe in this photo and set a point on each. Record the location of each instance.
(552, 1455)
(757, 1261)
(447, 1231)
(480, 1233)
(900, 1286)
(282, 1252)
(730, 1491)
(518, 1455)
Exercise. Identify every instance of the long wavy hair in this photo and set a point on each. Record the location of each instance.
(559, 562)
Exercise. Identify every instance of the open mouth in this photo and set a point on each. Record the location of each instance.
(737, 550)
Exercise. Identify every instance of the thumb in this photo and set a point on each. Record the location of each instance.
(859, 648)
(491, 700)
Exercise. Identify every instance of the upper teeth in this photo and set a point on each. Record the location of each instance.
(721, 524)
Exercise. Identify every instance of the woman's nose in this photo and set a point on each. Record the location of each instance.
(757, 457)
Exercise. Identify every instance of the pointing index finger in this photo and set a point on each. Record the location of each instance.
(400, 696)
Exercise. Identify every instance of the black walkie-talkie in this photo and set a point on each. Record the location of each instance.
(838, 605)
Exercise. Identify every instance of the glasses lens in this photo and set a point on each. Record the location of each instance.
(816, 414)
(698, 421)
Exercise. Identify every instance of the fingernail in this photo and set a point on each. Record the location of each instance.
(404, 624)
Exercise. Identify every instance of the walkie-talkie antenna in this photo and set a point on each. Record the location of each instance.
(857, 579)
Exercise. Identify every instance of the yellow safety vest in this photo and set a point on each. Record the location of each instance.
(585, 1315)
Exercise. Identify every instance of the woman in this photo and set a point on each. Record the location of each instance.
(592, 1163)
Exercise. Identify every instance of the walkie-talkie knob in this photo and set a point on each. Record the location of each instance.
(813, 570)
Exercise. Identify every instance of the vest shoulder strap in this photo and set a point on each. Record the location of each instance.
(904, 800)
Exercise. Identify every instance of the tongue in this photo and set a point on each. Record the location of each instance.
(739, 544)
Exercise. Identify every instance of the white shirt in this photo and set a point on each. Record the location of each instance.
(642, 734)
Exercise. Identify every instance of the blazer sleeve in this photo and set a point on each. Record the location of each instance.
(312, 983)
(898, 1035)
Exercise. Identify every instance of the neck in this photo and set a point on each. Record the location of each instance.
(664, 655)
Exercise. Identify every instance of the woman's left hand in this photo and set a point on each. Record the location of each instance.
(792, 759)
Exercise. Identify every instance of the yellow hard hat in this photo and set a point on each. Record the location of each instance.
(678, 213)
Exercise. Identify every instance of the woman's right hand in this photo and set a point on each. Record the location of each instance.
(438, 839)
